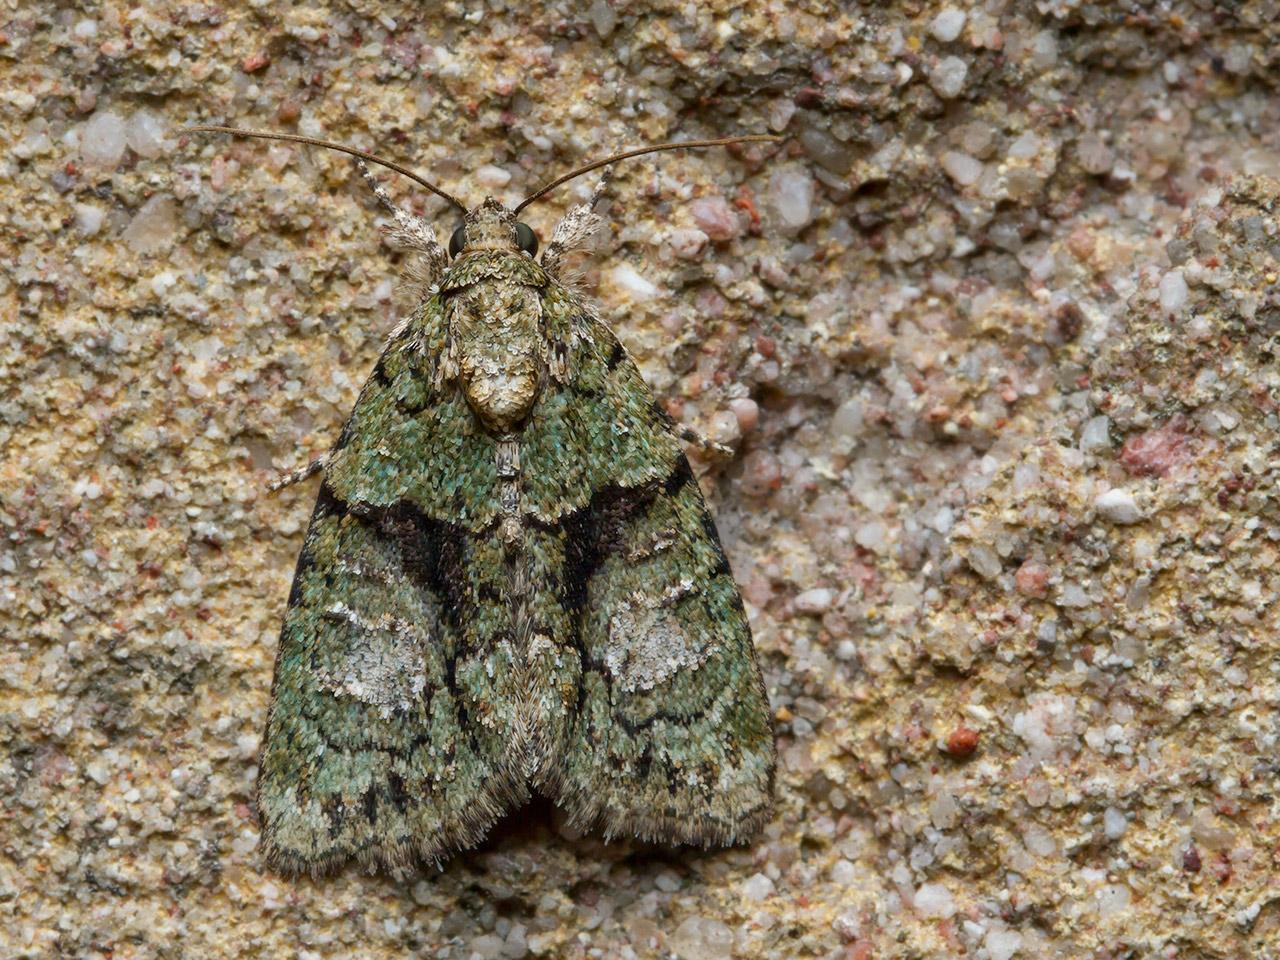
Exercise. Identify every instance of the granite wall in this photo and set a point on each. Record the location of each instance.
(993, 335)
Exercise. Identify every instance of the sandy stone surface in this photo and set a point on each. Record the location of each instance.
(994, 335)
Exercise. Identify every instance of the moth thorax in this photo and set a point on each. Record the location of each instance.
(501, 399)
(496, 326)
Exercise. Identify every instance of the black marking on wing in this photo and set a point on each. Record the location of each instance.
(380, 375)
(616, 355)
(597, 532)
(432, 552)
(593, 533)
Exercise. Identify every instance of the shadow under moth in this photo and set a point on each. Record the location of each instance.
(510, 584)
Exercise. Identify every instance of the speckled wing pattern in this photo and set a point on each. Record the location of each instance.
(510, 584)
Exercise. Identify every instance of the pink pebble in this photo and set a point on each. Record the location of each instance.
(1156, 452)
(747, 411)
(715, 218)
(1032, 579)
(761, 474)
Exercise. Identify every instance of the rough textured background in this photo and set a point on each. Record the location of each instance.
(994, 336)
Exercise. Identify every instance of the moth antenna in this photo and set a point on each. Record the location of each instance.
(640, 151)
(340, 147)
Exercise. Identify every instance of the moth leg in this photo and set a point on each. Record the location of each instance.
(302, 473)
(706, 444)
(690, 435)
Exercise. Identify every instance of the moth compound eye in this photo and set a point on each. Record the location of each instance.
(527, 239)
(457, 241)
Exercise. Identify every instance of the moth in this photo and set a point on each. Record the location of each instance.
(510, 584)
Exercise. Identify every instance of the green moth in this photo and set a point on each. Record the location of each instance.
(510, 584)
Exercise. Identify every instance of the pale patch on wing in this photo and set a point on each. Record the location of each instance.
(382, 663)
(647, 642)
(663, 540)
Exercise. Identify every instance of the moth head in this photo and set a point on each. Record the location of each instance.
(491, 226)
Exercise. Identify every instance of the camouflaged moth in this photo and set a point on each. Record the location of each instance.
(510, 584)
